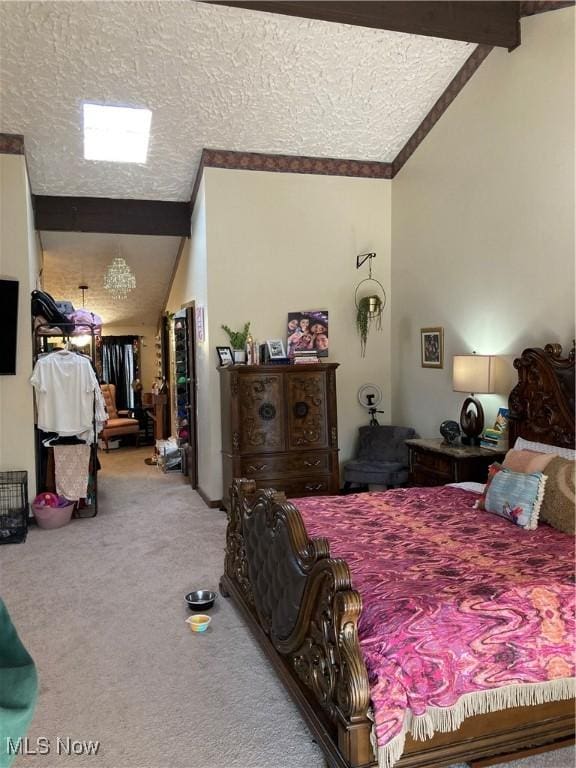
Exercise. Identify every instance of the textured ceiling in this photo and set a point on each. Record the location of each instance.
(75, 258)
(217, 77)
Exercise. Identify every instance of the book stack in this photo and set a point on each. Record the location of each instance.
(495, 441)
(305, 356)
(496, 438)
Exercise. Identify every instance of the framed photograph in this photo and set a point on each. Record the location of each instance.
(275, 348)
(432, 347)
(225, 355)
(307, 330)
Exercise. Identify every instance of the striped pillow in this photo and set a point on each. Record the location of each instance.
(517, 496)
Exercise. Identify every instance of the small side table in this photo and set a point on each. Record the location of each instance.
(434, 462)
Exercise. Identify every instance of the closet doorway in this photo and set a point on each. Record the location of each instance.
(120, 366)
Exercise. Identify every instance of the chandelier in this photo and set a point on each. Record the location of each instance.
(119, 280)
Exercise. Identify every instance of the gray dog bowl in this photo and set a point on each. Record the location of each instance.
(200, 600)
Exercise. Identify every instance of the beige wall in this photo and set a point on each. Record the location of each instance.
(19, 260)
(275, 243)
(191, 284)
(483, 221)
(147, 334)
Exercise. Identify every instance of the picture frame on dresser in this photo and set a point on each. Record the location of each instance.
(225, 356)
(432, 347)
(275, 349)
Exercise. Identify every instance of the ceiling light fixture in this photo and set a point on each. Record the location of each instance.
(116, 134)
(84, 339)
(119, 279)
(83, 288)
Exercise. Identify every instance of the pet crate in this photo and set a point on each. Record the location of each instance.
(13, 506)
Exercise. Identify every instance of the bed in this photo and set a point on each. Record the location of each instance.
(303, 609)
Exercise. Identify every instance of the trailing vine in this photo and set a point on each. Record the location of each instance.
(364, 318)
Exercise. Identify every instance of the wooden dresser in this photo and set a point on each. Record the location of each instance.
(279, 427)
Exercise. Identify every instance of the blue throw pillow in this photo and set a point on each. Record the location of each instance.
(517, 496)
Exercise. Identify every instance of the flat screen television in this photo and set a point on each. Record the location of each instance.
(8, 326)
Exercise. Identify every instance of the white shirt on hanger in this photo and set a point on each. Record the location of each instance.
(65, 384)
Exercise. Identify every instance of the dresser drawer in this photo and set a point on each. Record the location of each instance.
(428, 462)
(432, 462)
(422, 477)
(287, 464)
(300, 486)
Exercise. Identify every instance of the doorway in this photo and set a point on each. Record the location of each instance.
(120, 366)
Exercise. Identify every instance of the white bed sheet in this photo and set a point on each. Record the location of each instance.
(468, 486)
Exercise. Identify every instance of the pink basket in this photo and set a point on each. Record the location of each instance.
(53, 517)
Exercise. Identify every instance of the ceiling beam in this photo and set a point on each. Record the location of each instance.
(11, 144)
(103, 214)
(489, 23)
(530, 7)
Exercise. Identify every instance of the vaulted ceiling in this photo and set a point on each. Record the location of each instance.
(213, 76)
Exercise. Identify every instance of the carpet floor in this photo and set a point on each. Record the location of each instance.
(100, 606)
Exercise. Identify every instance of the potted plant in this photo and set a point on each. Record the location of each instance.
(369, 309)
(238, 341)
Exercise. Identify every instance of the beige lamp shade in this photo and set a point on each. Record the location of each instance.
(473, 373)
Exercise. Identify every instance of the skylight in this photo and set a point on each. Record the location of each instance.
(116, 134)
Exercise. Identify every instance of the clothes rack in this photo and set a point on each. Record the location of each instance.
(43, 333)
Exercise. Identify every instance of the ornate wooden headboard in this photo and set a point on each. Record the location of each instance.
(542, 403)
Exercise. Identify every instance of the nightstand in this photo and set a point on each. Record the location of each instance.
(433, 462)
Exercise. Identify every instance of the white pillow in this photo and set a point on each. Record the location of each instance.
(528, 445)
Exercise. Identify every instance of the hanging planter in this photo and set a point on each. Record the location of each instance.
(370, 300)
(368, 312)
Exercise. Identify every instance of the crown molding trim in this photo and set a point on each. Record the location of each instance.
(322, 166)
(262, 161)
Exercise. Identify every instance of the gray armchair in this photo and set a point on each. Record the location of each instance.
(382, 458)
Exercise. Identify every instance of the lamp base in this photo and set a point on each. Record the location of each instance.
(471, 421)
(465, 440)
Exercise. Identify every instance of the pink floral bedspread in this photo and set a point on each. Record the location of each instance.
(456, 601)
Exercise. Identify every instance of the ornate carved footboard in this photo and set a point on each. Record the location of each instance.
(301, 606)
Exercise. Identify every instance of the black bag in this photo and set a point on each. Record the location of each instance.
(44, 305)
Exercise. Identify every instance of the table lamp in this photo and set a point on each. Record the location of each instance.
(474, 374)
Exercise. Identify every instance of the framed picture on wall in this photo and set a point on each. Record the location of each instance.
(432, 347)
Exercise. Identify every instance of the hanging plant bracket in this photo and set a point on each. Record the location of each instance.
(363, 258)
